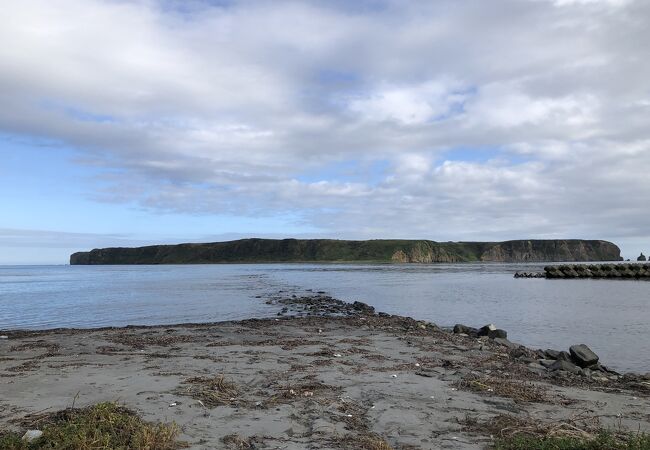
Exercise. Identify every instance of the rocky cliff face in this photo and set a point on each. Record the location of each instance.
(552, 250)
(399, 251)
(425, 252)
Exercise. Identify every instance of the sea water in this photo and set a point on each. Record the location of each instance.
(611, 316)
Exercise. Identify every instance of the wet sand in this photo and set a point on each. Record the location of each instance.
(335, 377)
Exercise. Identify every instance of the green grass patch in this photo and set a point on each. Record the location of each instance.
(602, 441)
(100, 427)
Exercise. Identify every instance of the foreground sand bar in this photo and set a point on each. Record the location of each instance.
(310, 382)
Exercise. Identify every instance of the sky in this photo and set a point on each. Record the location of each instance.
(138, 122)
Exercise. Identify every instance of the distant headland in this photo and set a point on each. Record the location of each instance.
(330, 250)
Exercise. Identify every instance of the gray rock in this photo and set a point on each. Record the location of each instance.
(563, 356)
(608, 370)
(536, 368)
(527, 360)
(565, 366)
(582, 355)
(32, 435)
(546, 362)
(551, 354)
(506, 343)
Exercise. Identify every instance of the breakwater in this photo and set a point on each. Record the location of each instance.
(629, 271)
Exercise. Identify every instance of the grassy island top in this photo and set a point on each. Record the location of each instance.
(330, 250)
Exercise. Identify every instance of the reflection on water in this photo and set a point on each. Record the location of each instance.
(611, 316)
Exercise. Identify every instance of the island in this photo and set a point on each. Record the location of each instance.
(257, 250)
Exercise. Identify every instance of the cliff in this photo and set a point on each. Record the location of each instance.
(328, 250)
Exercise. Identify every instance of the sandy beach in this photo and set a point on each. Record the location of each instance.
(322, 375)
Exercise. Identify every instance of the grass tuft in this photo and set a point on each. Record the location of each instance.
(100, 427)
(602, 441)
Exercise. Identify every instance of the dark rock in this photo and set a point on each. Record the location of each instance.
(563, 356)
(641, 257)
(464, 329)
(565, 366)
(485, 330)
(582, 355)
(426, 373)
(498, 333)
(598, 367)
(363, 307)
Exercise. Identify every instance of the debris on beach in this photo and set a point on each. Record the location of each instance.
(210, 391)
(32, 435)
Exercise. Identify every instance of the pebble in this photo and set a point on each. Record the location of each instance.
(417, 364)
(4, 337)
(337, 355)
(394, 375)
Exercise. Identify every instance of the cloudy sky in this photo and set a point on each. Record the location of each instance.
(133, 122)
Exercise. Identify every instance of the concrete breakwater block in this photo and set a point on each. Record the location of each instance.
(623, 271)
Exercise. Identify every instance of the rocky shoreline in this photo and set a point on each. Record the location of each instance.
(323, 374)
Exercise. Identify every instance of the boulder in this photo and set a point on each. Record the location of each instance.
(551, 354)
(565, 366)
(563, 356)
(464, 329)
(485, 330)
(546, 362)
(498, 333)
(582, 355)
(536, 368)
(363, 307)
(506, 343)
(641, 257)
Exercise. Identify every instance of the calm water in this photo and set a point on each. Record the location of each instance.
(611, 316)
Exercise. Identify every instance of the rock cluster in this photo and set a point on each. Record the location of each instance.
(633, 271)
(490, 331)
(579, 360)
(320, 305)
(641, 257)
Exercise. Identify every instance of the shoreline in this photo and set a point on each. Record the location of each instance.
(325, 373)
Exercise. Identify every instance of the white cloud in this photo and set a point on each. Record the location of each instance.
(224, 108)
(410, 105)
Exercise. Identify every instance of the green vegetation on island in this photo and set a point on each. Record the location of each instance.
(330, 250)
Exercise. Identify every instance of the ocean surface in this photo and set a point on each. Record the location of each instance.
(611, 316)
